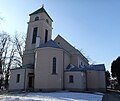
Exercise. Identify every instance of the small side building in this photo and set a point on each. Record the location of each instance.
(22, 78)
(91, 78)
(75, 78)
(95, 75)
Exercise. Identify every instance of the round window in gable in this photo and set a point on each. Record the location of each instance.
(36, 18)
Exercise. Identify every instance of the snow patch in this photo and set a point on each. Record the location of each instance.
(54, 96)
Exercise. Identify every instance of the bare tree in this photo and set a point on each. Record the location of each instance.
(9, 64)
(0, 69)
(11, 54)
(4, 47)
(19, 41)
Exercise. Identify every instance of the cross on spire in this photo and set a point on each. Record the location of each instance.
(42, 5)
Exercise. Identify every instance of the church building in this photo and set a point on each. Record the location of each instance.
(51, 65)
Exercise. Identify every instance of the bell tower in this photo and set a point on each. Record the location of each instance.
(39, 29)
(39, 32)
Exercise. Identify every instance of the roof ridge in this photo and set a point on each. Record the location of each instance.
(72, 46)
(41, 10)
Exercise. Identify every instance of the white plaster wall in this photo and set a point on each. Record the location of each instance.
(66, 60)
(13, 78)
(44, 79)
(79, 80)
(96, 80)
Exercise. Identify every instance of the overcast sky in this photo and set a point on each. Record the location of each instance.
(92, 26)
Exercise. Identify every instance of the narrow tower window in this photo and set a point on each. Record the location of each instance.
(71, 79)
(34, 35)
(46, 35)
(54, 66)
(47, 21)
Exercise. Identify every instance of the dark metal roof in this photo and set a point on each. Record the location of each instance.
(99, 67)
(72, 67)
(41, 10)
(50, 43)
(27, 66)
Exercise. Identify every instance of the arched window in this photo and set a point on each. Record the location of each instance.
(71, 79)
(54, 66)
(36, 18)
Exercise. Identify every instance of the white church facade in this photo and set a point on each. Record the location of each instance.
(50, 65)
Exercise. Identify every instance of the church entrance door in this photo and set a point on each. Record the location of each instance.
(30, 81)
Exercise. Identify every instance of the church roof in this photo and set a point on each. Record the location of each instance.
(71, 49)
(41, 10)
(27, 66)
(72, 67)
(50, 43)
(99, 67)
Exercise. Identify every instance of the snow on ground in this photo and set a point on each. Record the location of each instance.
(53, 96)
